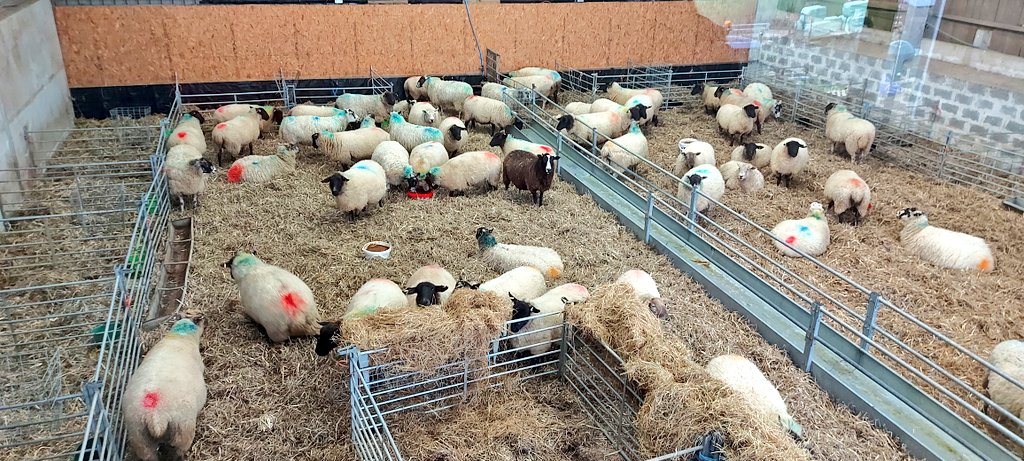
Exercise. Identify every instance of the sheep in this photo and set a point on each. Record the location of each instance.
(504, 256)
(539, 334)
(358, 187)
(494, 90)
(165, 394)
(423, 113)
(263, 168)
(235, 134)
(412, 89)
(652, 110)
(854, 135)
(189, 131)
(695, 153)
(744, 378)
(758, 91)
(647, 289)
(742, 175)
(524, 282)
(789, 157)
(528, 171)
(394, 159)
(187, 178)
(542, 84)
(509, 143)
(347, 147)
(604, 105)
(377, 105)
(368, 122)
(711, 185)
(183, 153)
(455, 136)
(445, 93)
(627, 150)
(426, 156)
(735, 122)
(274, 298)
(527, 71)
(299, 129)
(429, 286)
(1008, 357)
(487, 111)
(710, 96)
(809, 235)
(372, 296)
(403, 107)
(312, 109)
(620, 95)
(410, 135)
(756, 154)
(608, 124)
(943, 247)
(577, 108)
(848, 195)
(466, 171)
(230, 111)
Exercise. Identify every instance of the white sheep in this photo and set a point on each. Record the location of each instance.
(189, 131)
(230, 111)
(263, 168)
(539, 334)
(233, 135)
(313, 109)
(165, 394)
(429, 285)
(627, 150)
(358, 187)
(757, 154)
(372, 296)
(455, 135)
(542, 84)
(525, 71)
(647, 289)
(494, 90)
(651, 113)
(577, 108)
(274, 298)
(789, 157)
(504, 256)
(744, 378)
(604, 105)
(394, 159)
(467, 171)
(695, 153)
(446, 93)
(403, 107)
(855, 135)
(377, 105)
(524, 282)
(758, 91)
(711, 185)
(943, 247)
(426, 156)
(187, 177)
(709, 96)
(610, 124)
(412, 89)
(620, 95)
(299, 129)
(735, 122)
(742, 175)
(848, 195)
(509, 143)
(410, 135)
(368, 122)
(1008, 357)
(809, 235)
(348, 147)
(486, 111)
(423, 113)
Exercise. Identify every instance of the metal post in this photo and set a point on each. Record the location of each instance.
(563, 348)
(869, 320)
(593, 87)
(796, 100)
(691, 214)
(945, 151)
(648, 216)
(558, 152)
(593, 142)
(812, 335)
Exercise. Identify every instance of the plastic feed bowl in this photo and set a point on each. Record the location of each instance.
(685, 142)
(377, 250)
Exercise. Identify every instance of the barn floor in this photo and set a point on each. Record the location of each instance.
(271, 401)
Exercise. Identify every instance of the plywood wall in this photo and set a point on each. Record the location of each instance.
(136, 45)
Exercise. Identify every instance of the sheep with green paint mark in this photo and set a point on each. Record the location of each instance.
(445, 93)
(299, 129)
(809, 235)
(275, 298)
(313, 109)
(359, 187)
(487, 111)
(377, 105)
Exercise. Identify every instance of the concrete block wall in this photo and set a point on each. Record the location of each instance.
(34, 94)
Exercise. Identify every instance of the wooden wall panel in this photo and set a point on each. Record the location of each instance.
(136, 45)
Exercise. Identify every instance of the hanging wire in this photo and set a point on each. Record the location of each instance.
(472, 28)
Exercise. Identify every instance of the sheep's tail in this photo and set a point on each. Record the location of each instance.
(553, 272)
(157, 423)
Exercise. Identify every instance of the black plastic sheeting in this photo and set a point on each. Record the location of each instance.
(97, 102)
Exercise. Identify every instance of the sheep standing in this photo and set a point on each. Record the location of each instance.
(394, 159)
(509, 143)
(848, 195)
(426, 156)
(469, 170)
(358, 187)
(429, 286)
(627, 150)
(312, 109)
(695, 153)
(609, 124)
(854, 135)
(162, 400)
(187, 178)
(741, 175)
(943, 247)
(620, 95)
(410, 135)
(347, 147)
(445, 93)
(709, 96)
(454, 132)
(233, 135)
(530, 172)
(542, 84)
(494, 90)
(299, 129)
(486, 111)
(789, 157)
(372, 296)
(647, 289)
(756, 154)
(274, 298)
(1008, 357)
(413, 90)
(189, 131)
(577, 108)
(758, 91)
(554, 75)
(505, 257)
(423, 113)
(263, 168)
(809, 235)
(711, 185)
(744, 378)
(377, 105)
(648, 103)
(735, 122)
(230, 111)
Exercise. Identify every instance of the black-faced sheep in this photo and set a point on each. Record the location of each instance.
(530, 172)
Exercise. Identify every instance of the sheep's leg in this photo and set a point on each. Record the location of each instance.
(250, 148)
(778, 179)
(540, 202)
(352, 216)
(145, 448)
(534, 194)
(220, 153)
(182, 439)
(758, 127)
(195, 201)
(654, 120)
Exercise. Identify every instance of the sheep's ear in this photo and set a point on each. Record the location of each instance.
(565, 300)
(534, 310)
(440, 288)
(410, 291)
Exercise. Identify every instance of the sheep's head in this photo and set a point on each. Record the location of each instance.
(262, 113)
(336, 182)
(466, 284)
(198, 115)
(744, 170)
(793, 148)
(750, 110)
(388, 98)
(499, 138)
(427, 294)
(278, 115)
(455, 132)
(907, 214)
(186, 327)
(658, 308)
(546, 162)
(429, 115)
(520, 310)
(749, 150)
(485, 237)
(202, 165)
(565, 122)
(422, 81)
(432, 177)
(638, 112)
(396, 118)
(695, 179)
(720, 91)
(817, 211)
(777, 109)
(698, 88)
(829, 106)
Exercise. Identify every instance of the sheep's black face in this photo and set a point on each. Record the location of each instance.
(777, 110)
(793, 148)
(829, 106)
(203, 165)
(467, 284)
(751, 110)
(909, 213)
(337, 182)
(198, 116)
(698, 88)
(749, 149)
(695, 179)
(427, 294)
(638, 112)
(316, 137)
(518, 123)
(498, 139)
(566, 121)
(483, 232)
(421, 81)
(263, 113)
(456, 132)
(720, 91)
(388, 98)
(278, 116)
(520, 310)
(325, 341)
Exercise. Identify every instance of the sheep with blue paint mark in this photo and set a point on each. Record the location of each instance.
(481, 169)
(394, 159)
(426, 156)
(377, 105)
(359, 187)
(299, 129)
(410, 135)
(348, 147)
(943, 247)
(494, 90)
(446, 93)
(313, 109)
(628, 150)
(711, 185)
(809, 235)
(695, 153)
(275, 298)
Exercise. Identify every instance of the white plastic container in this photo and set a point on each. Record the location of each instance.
(685, 142)
(372, 251)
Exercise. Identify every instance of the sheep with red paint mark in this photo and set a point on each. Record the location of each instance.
(189, 131)
(165, 394)
(275, 298)
(645, 287)
(531, 172)
(848, 195)
(240, 132)
(481, 169)
(230, 111)
(944, 247)
(358, 187)
(809, 235)
(429, 285)
(264, 168)
(187, 173)
(508, 143)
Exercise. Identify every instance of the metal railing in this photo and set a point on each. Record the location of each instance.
(492, 73)
(298, 91)
(674, 85)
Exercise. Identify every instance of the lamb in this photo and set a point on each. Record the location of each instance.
(855, 135)
(524, 282)
(467, 171)
(445, 93)
(263, 168)
(742, 175)
(426, 156)
(530, 172)
(540, 334)
(235, 134)
(189, 131)
(413, 90)
(394, 159)
(509, 143)
(299, 129)
(577, 108)
(187, 178)
(494, 90)
(756, 154)
(789, 157)
(230, 111)
(312, 109)
(608, 124)
(358, 187)
(848, 195)
(710, 96)
(429, 286)
(758, 91)
(505, 257)
(410, 135)
(943, 247)
(423, 113)
(372, 296)
(377, 105)
(347, 147)
(165, 394)
(368, 122)
(647, 289)
(1008, 357)
(620, 95)
(648, 103)
(735, 122)
(454, 134)
(486, 111)
(809, 235)
(711, 185)
(744, 378)
(542, 84)
(695, 153)
(403, 107)
(626, 150)
(274, 298)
